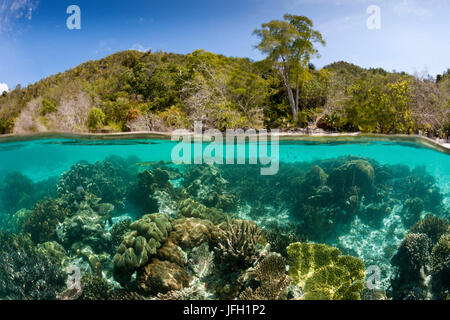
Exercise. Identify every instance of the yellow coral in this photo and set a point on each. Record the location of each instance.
(323, 273)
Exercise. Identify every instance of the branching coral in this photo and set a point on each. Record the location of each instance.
(26, 274)
(149, 182)
(41, 223)
(108, 180)
(272, 278)
(146, 236)
(239, 245)
(206, 185)
(434, 227)
(412, 260)
(323, 273)
(94, 288)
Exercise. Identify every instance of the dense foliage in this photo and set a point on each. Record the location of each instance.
(136, 91)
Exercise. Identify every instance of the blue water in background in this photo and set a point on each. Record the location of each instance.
(41, 159)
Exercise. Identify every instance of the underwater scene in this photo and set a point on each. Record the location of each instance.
(96, 219)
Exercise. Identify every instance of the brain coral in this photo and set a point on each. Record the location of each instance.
(323, 273)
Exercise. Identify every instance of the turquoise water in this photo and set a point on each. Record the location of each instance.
(361, 197)
(40, 159)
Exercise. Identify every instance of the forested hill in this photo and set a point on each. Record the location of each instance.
(135, 91)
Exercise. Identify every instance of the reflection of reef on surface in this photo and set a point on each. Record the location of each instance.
(139, 230)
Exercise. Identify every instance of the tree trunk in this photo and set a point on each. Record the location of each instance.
(284, 75)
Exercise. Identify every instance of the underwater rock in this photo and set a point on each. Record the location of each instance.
(140, 244)
(325, 274)
(412, 208)
(161, 277)
(17, 192)
(272, 280)
(354, 173)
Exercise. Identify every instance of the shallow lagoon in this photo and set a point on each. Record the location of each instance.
(288, 204)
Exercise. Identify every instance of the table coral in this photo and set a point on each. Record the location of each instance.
(324, 273)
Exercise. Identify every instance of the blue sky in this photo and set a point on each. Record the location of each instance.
(35, 42)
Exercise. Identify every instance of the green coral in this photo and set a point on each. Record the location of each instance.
(323, 273)
(146, 236)
(434, 227)
(41, 223)
(190, 208)
(94, 287)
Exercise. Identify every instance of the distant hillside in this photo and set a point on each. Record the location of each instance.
(134, 91)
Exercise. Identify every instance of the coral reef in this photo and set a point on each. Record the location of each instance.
(109, 180)
(42, 222)
(161, 277)
(190, 208)
(240, 244)
(325, 274)
(205, 184)
(26, 274)
(272, 278)
(412, 260)
(94, 288)
(142, 242)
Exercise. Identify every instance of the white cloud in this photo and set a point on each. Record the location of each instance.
(14, 10)
(411, 7)
(3, 88)
(139, 47)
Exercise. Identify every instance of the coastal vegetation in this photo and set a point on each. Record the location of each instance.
(159, 91)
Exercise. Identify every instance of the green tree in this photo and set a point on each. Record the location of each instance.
(289, 44)
(96, 118)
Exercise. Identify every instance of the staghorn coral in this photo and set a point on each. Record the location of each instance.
(272, 278)
(325, 274)
(146, 236)
(239, 244)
